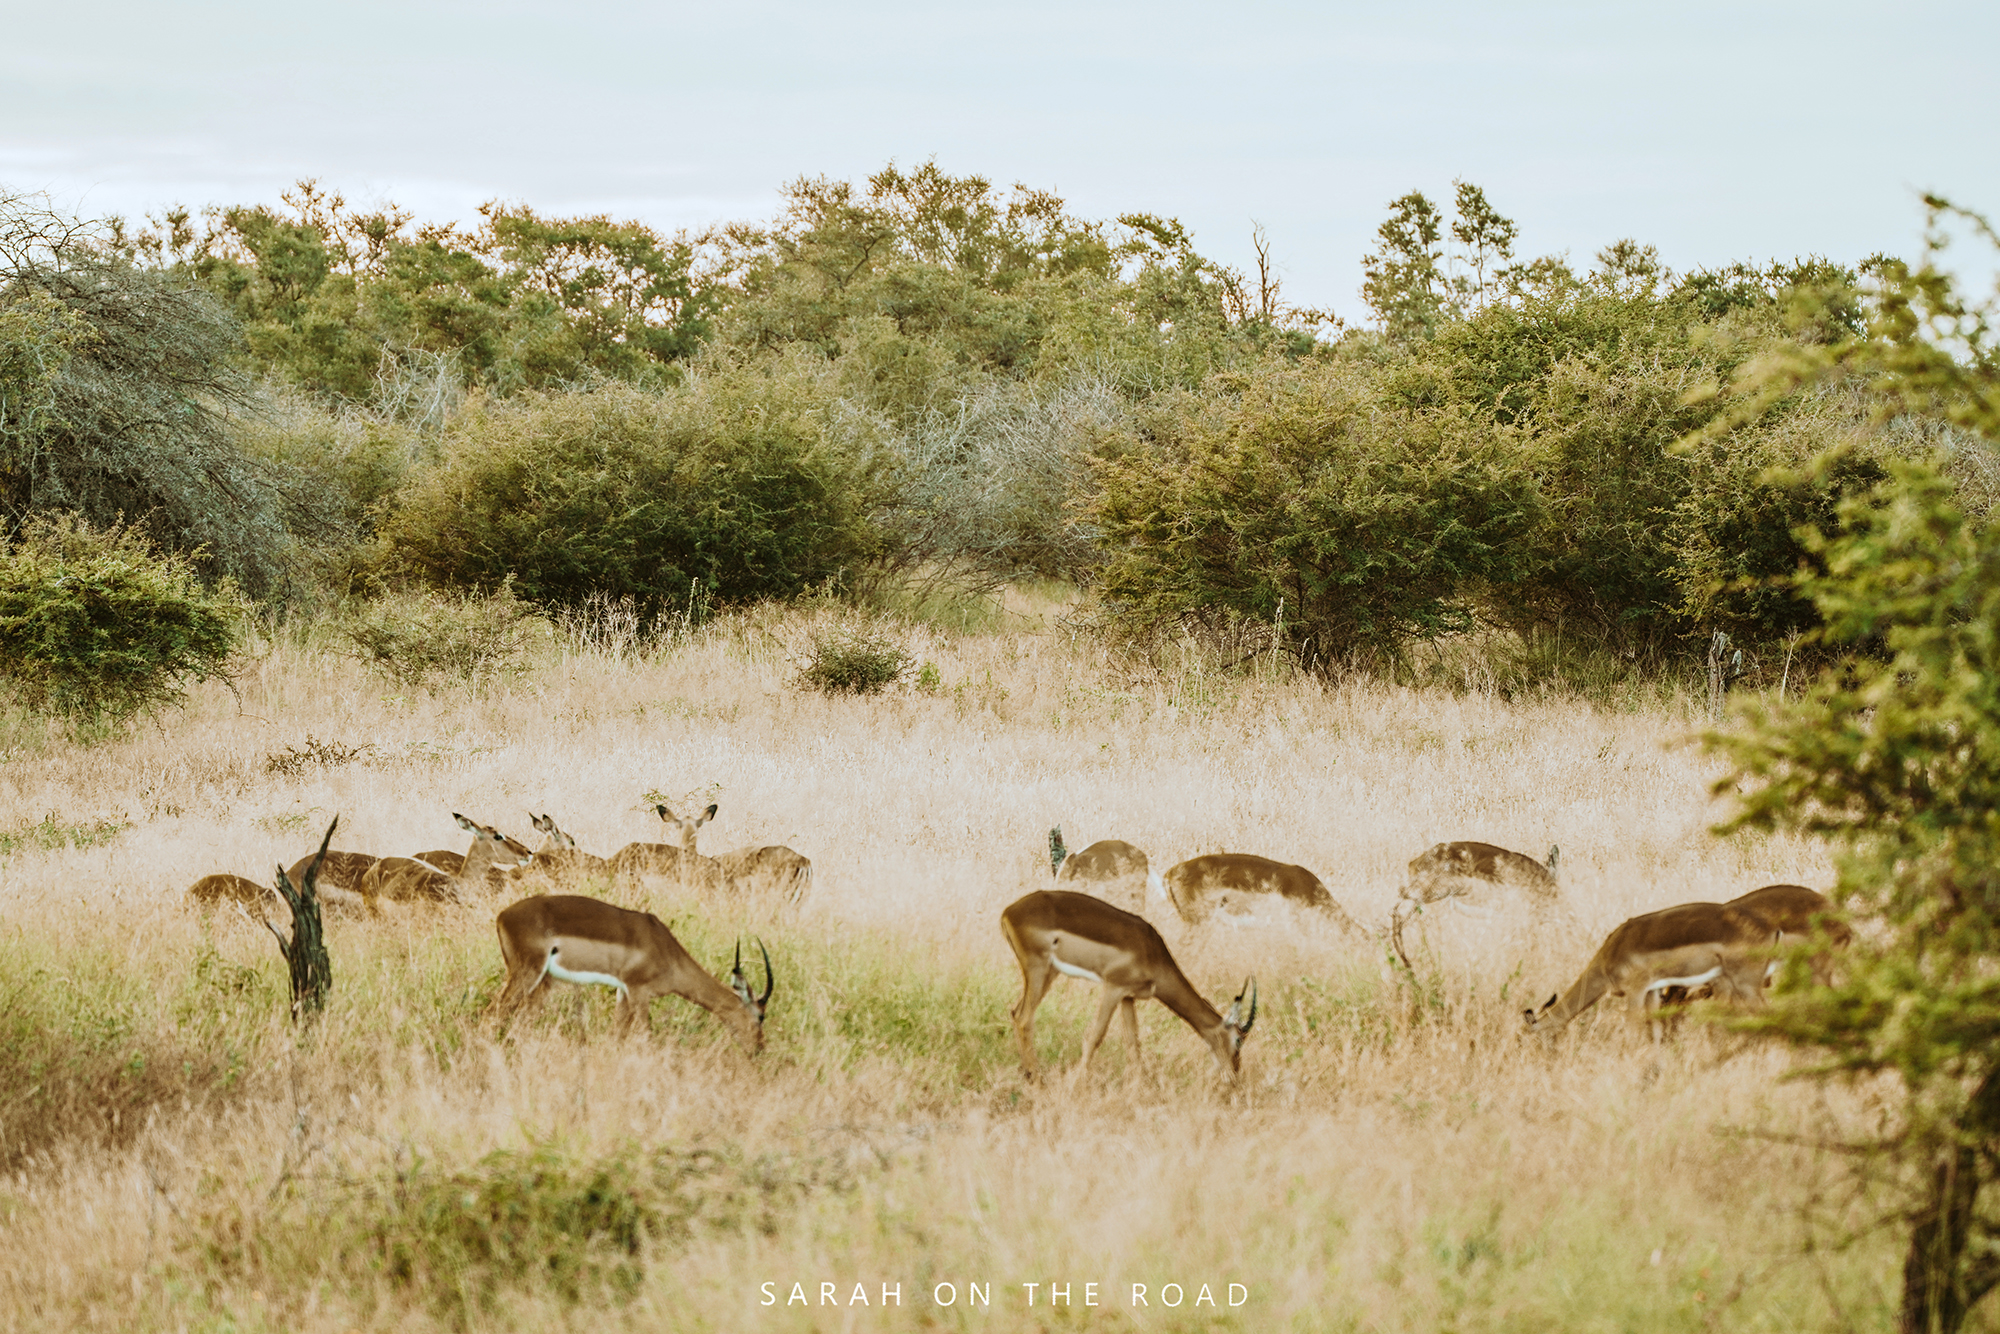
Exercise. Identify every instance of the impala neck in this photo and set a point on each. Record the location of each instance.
(1582, 994)
(1176, 993)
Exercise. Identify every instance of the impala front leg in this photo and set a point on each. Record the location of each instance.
(1129, 1008)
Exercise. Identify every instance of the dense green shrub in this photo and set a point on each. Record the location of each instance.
(748, 485)
(425, 639)
(1297, 496)
(96, 627)
(853, 662)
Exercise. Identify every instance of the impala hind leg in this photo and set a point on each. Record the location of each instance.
(1108, 1002)
(521, 994)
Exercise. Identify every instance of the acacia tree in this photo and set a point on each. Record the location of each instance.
(117, 386)
(1894, 757)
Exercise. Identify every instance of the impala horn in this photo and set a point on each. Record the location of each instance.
(740, 984)
(1236, 1007)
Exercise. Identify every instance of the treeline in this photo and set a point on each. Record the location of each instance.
(922, 379)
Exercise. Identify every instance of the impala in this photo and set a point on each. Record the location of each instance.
(1462, 870)
(407, 878)
(788, 874)
(1230, 884)
(678, 859)
(559, 857)
(214, 889)
(211, 890)
(1062, 932)
(575, 939)
(1110, 868)
(1684, 946)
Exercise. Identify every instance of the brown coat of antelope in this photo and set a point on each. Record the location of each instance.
(1683, 946)
(1077, 935)
(1794, 912)
(1236, 883)
(586, 941)
(340, 870)
(211, 890)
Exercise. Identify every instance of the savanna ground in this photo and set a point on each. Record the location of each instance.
(175, 1155)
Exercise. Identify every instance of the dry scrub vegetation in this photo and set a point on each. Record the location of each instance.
(173, 1155)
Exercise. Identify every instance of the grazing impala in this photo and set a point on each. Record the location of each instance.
(1463, 870)
(408, 878)
(1233, 885)
(1684, 946)
(582, 940)
(1110, 868)
(1060, 931)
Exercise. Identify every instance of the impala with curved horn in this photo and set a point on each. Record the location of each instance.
(1060, 932)
(1233, 885)
(1110, 868)
(1684, 946)
(589, 941)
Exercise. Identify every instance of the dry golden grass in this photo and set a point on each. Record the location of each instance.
(1393, 1159)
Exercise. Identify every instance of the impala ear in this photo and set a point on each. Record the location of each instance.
(706, 816)
(463, 823)
(662, 811)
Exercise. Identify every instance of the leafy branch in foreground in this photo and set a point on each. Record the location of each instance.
(1894, 757)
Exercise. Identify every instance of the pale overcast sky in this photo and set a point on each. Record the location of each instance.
(1713, 130)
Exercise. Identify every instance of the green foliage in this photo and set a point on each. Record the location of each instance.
(337, 301)
(1405, 284)
(1296, 496)
(545, 1220)
(50, 833)
(95, 627)
(744, 484)
(1891, 756)
(854, 662)
(429, 640)
(115, 387)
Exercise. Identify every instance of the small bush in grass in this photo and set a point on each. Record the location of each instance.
(553, 1223)
(853, 662)
(96, 627)
(423, 640)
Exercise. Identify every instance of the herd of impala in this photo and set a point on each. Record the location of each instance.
(1091, 927)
